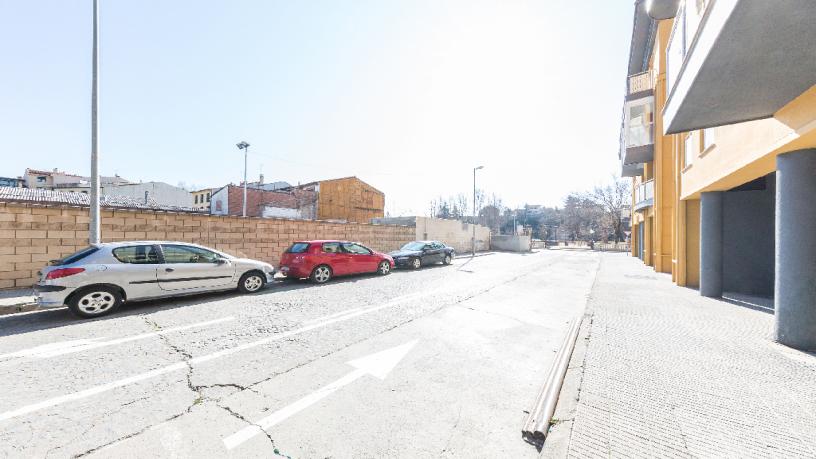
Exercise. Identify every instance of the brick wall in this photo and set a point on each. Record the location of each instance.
(257, 199)
(30, 235)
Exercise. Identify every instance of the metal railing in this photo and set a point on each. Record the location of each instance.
(612, 246)
(640, 82)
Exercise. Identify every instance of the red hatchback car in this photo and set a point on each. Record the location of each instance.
(322, 260)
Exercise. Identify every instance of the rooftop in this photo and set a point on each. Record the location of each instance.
(42, 196)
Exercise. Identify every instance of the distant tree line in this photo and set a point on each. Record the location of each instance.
(601, 214)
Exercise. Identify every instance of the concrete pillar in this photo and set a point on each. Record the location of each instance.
(795, 265)
(711, 244)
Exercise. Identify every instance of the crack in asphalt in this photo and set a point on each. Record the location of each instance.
(198, 390)
(453, 429)
(130, 435)
(243, 418)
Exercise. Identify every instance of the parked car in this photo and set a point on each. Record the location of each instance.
(96, 280)
(422, 253)
(322, 260)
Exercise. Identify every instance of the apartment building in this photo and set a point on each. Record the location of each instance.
(201, 198)
(719, 137)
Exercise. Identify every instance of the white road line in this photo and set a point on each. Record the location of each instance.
(184, 364)
(69, 347)
(331, 316)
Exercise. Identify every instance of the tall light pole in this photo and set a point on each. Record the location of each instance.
(473, 240)
(94, 235)
(244, 146)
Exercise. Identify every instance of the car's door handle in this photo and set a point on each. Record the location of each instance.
(169, 270)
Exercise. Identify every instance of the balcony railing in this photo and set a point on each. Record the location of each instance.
(640, 82)
(644, 195)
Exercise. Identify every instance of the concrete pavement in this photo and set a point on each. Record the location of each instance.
(177, 378)
(660, 371)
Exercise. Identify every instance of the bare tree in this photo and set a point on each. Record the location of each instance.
(613, 199)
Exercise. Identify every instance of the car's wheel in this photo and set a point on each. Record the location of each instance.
(384, 268)
(95, 301)
(448, 259)
(321, 274)
(251, 282)
(416, 263)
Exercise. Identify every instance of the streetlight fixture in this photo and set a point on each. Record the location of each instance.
(94, 232)
(242, 145)
(473, 240)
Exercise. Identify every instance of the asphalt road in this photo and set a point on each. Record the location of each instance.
(440, 362)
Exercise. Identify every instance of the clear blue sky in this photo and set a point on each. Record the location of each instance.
(408, 95)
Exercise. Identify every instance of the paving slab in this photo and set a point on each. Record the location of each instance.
(668, 373)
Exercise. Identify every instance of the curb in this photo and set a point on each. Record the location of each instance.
(16, 308)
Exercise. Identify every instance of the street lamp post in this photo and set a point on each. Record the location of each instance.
(244, 146)
(473, 240)
(94, 236)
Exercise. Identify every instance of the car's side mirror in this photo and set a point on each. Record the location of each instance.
(220, 261)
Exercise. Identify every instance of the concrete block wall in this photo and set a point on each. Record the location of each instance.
(453, 233)
(30, 235)
(511, 243)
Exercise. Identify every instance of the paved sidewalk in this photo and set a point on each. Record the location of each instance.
(663, 372)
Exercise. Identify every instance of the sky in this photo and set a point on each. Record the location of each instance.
(407, 95)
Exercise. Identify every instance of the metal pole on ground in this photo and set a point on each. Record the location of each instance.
(537, 425)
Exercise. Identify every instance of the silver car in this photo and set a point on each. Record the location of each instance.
(98, 279)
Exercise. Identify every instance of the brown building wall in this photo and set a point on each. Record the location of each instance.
(257, 199)
(349, 199)
(30, 235)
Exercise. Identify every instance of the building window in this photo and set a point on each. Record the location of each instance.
(708, 138)
(208, 197)
(196, 199)
(41, 179)
(688, 149)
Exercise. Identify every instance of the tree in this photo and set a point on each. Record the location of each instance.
(613, 200)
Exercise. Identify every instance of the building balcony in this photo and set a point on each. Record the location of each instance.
(730, 61)
(644, 195)
(637, 130)
(640, 84)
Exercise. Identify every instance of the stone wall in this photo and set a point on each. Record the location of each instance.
(30, 235)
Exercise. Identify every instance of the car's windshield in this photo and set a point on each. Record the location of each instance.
(416, 245)
(74, 257)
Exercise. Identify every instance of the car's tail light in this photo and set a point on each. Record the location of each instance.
(63, 272)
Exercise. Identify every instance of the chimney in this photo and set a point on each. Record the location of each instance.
(260, 180)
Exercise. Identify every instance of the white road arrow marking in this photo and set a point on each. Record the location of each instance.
(95, 390)
(377, 365)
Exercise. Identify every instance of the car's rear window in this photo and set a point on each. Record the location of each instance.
(298, 247)
(74, 257)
